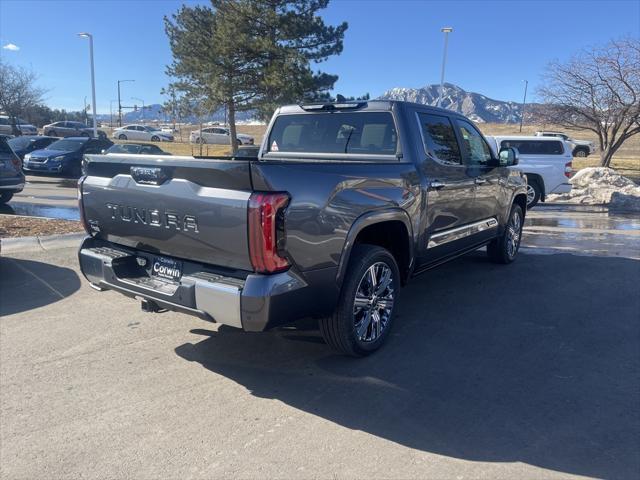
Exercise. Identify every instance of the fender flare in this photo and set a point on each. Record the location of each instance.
(365, 220)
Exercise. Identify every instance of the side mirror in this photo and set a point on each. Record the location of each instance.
(508, 157)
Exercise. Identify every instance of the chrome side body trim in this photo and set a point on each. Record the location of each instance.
(457, 233)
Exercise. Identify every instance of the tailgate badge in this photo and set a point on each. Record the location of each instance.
(148, 175)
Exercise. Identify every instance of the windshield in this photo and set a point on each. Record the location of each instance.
(67, 145)
(19, 143)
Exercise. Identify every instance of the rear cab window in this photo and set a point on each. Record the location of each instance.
(347, 133)
(534, 147)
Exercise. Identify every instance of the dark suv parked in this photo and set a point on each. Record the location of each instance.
(27, 144)
(64, 156)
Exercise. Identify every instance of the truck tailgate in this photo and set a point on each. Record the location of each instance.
(181, 207)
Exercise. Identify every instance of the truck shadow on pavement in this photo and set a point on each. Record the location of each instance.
(27, 284)
(537, 362)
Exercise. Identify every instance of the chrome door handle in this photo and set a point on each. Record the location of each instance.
(480, 181)
(436, 185)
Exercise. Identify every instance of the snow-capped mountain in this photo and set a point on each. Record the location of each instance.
(474, 105)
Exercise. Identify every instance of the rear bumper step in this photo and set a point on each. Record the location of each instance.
(254, 303)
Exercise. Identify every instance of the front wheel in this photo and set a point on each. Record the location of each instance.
(5, 197)
(122, 136)
(52, 133)
(155, 139)
(367, 303)
(505, 248)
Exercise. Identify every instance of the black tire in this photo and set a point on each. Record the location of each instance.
(85, 134)
(534, 192)
(340, 330)
(122, 136)
(200, 140)
(52, 133)
(580, 152)
(155, 139)
(504, 249)
(5, 197)
(238, 142)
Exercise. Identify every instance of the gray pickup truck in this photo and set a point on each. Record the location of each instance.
(343, 204)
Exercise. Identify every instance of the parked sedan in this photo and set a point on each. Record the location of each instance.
(142, 132)
(70, 129)
(136, 149)
(27, 144)
(11, 176)
(64, 156)
(218, 135)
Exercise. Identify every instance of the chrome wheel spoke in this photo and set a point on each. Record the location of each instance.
(373, 302)
(364, 326)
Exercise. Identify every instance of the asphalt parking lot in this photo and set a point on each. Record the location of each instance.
(524, 371)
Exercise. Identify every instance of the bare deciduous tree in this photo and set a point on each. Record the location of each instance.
(597, 90)
(18, 91)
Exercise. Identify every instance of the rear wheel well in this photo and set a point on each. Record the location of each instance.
(393, 236)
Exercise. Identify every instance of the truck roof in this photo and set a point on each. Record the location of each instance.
(359, 105)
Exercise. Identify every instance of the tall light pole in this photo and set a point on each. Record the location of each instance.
(120, 104)
(140, 100)
(524, 102)
(446, 31)
(93, 82)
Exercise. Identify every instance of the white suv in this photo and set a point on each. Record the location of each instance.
(580, 148)
(545, 160)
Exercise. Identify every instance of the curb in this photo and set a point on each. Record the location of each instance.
(41, 243)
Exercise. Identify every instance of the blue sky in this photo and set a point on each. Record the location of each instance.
(494, 46)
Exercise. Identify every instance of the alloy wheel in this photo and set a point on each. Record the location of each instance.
(514, 233)
(531, 194)
(373, 303)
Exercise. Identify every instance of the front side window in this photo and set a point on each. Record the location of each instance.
(371, 133)
(475, 150)
(440, 138)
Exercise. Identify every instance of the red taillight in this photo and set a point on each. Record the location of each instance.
(568, 170)
(83, 220)
(266, 231)
(16, 162)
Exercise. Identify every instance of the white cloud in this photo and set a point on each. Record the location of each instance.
(11, 46)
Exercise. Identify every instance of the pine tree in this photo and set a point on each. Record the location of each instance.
(248, 54)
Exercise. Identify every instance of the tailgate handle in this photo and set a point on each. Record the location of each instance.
(149, 175)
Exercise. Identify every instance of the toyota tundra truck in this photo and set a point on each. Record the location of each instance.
(343, 204)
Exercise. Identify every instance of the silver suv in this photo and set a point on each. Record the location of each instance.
(6, 126)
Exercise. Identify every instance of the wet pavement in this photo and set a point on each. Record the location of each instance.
(550, 228)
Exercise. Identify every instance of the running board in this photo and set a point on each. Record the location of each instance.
(457, 233)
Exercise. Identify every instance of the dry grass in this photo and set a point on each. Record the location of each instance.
(18, 226)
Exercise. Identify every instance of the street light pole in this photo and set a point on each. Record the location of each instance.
(93, 82)
(111, 112)
(524, 102)
(119, 103)
(446, 31)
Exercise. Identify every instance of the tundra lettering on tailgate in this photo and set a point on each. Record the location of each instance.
(153, 217)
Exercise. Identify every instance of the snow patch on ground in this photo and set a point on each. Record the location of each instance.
(601, 186)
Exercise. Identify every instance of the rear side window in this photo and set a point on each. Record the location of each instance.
(339, 132)
(440, 138)
(534, 147)
(4, 147)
